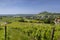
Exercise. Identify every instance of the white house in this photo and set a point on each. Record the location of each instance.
(57, 21)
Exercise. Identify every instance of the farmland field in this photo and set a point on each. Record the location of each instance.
(30, 31)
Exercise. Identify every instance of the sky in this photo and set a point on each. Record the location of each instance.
(28, 6)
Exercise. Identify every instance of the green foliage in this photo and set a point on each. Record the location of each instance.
(30, 31)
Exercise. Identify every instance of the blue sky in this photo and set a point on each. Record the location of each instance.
(28, 6)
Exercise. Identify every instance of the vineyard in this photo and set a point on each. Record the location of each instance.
(29, 31)
(29, 19)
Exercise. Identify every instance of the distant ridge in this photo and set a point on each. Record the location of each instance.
(22, 15)
(48, 13)
(16, 15)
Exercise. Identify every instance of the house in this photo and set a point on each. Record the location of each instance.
(57, 21)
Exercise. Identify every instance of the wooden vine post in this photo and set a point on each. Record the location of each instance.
(53, 31)
(5, 25)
